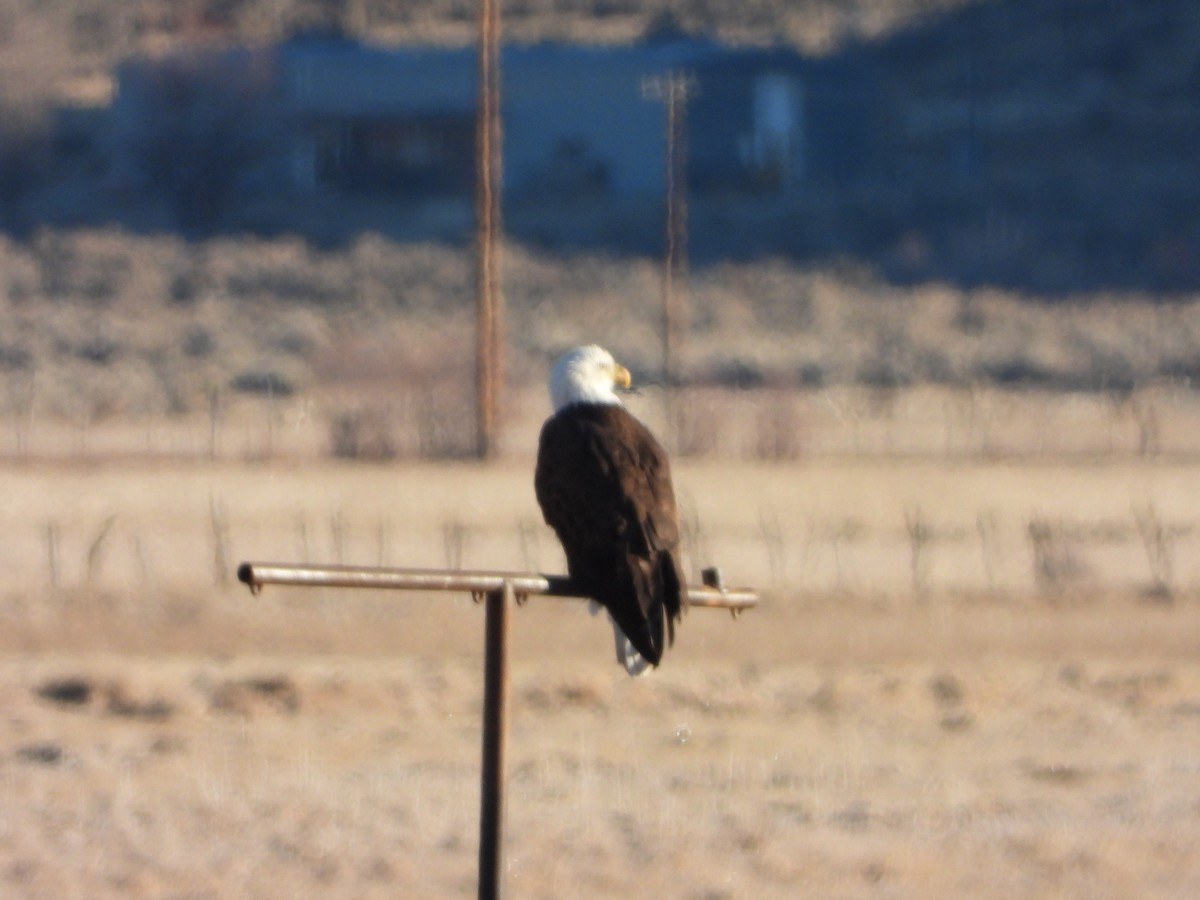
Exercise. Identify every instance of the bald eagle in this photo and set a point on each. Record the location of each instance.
(604, 485)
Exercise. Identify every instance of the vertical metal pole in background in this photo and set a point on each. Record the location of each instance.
(495, 739)
(675, 97)
(489, 327)
(675, 89)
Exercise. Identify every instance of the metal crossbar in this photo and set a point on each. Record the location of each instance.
(500, 590)
(256, 575)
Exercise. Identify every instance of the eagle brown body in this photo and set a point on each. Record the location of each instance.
(604, 485)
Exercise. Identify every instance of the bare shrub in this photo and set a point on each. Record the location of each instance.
(778, 427)
(14, 357)
(692, 533)
(46, 753)
(95, 553)
(185, 286)
(771, 531)
(219, 528)
(840, 534)
(693, 427)
(1158, 542)
(366, 433)
(250, 696)
(302, 544)
(337, 534)
(1145, 416)
(294, 281)
(344, 435)
(52, 554)
(97, 349)
(1056, 561)
(69, 691)
(216, 406)
(455, 535)
(444, 419)
(529, 538)
(383, 540)
(198, 342)
(95, 272)
(142, 561)
(262, 381)
(987, 526)
(920, 538)
(946, 689)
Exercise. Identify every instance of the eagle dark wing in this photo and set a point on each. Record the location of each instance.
(604, 486)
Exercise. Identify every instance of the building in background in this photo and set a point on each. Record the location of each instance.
(576, 119)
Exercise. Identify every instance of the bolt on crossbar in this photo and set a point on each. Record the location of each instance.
(499, 590)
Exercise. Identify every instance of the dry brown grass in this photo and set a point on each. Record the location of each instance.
(977, 730)
(973, 674)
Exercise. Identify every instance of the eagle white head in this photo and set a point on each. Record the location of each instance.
(586, 375)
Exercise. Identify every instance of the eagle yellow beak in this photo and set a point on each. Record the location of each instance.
(621, 377)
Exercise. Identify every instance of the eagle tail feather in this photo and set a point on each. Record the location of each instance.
(627, 655)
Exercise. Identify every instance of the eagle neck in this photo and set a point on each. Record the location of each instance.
(587, 396)
(586, 406)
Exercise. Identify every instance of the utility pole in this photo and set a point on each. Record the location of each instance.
(489, 350)
(674, 89)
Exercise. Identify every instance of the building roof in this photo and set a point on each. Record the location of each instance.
(330, 76)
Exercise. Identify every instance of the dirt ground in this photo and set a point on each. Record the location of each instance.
(923, 706)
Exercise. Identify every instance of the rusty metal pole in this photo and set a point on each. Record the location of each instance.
(489, 327)
(495, 740)
(674, 89)
(673, 243)
(256, 575)
(500, 590)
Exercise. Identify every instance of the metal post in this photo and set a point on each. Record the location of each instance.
(500, 590)
(675, 239)
(495, 740)
(489, 327)
(675, 89)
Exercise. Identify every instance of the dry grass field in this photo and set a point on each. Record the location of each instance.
(972, 515)
(968, 677)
